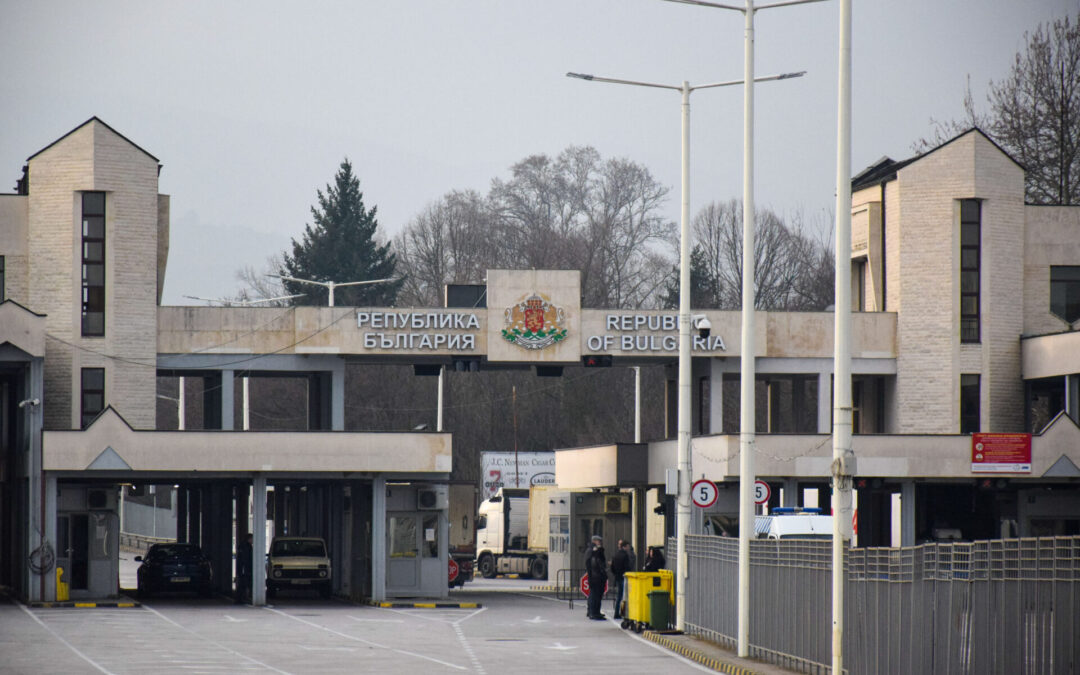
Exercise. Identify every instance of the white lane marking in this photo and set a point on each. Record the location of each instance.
(469, 650)
(561, 647)
(535, 620)
(662, 648)
(233, 619)
(363, 641)
(67, 644)
(356, 618)
(213, 642)
(328, 649)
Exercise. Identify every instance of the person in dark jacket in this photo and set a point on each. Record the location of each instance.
(596, 571)
(620, 565)
(655, 560)
(243, 569)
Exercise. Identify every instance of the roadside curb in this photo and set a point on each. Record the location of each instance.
(697, 656)
(550, 588)
(427, 605)
(117, 604)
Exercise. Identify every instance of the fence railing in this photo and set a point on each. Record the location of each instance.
(1003, 606)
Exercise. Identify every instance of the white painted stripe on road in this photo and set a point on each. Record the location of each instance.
(67, 644)
(665, 650)
(366, 642)
(215, 643)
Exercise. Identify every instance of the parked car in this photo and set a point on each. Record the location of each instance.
(174, 567)
(298, 562)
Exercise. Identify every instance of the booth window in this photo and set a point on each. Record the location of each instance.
(970, 254)
(93, 264)
(93, 394)
(1064, 292)
(969, 404)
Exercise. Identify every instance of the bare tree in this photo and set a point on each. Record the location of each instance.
(449, 242)
(257, 284)
(790, 267)
(1035, 113)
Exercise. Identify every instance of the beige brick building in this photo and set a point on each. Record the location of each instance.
(968, 305)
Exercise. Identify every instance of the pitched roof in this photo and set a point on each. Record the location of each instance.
(885, 169)
(102, 123)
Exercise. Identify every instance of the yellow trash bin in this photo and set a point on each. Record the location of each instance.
(637, 597)
(62, 594)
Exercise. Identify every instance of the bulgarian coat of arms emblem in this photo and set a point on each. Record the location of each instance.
(534, 323)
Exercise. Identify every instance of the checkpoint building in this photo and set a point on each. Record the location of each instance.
(967, 301)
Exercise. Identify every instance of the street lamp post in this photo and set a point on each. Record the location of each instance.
(682, 518)
(747, 367)
(330, 285)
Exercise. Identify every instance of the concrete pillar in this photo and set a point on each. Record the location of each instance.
(258, 543)
(907, 513)
(378, 539)
(791, 492)
(195, 509)
(824, 403)
(47, 590)
(182, 514)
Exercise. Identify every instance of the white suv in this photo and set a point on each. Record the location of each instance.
(298, 562)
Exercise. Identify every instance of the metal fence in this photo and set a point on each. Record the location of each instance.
(996, 607)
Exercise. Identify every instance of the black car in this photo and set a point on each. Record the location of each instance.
(174, 567)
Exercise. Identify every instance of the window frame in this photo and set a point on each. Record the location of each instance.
(1063, 315)
(93, 293)
(971, 318)
(87, 413)
(3, 279)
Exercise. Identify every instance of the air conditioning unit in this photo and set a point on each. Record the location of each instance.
(616, 503)
(432, 497)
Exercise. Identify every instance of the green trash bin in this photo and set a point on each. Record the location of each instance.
(659, 610)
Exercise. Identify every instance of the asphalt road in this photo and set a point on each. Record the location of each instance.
(515, 631)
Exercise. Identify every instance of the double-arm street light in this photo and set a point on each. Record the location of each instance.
(746, 363)
(330, 285)
(682, 518)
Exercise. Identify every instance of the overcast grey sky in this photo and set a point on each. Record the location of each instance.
(251, 106)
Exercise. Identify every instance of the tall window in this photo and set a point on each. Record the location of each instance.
(1064, 291)
(93, 394)
(1, 278)
(93, 264)
(970, 254)
(969, 404)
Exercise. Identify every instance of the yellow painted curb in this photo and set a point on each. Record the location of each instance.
(694, 655)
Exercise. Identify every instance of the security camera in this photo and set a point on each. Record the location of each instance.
(701, 324)
(30, 402)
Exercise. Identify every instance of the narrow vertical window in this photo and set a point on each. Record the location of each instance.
(2, 296)
(1064, 291)
(969, 404)
(93, 394)
(93, 264)
(970, 264)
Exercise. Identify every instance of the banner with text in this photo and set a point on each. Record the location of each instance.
(516, 470)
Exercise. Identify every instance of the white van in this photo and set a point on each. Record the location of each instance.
(794, 523)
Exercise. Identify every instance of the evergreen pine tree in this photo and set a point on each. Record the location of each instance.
(341, 247)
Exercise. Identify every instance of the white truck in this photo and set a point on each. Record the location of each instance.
(512, 533)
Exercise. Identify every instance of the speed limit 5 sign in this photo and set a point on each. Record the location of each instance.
(704, 493)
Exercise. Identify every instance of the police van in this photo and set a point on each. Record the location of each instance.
(794, 523)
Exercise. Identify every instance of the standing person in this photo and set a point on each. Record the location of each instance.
(654, 561)
(620, 565)
(596, 571)
(244, 555)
